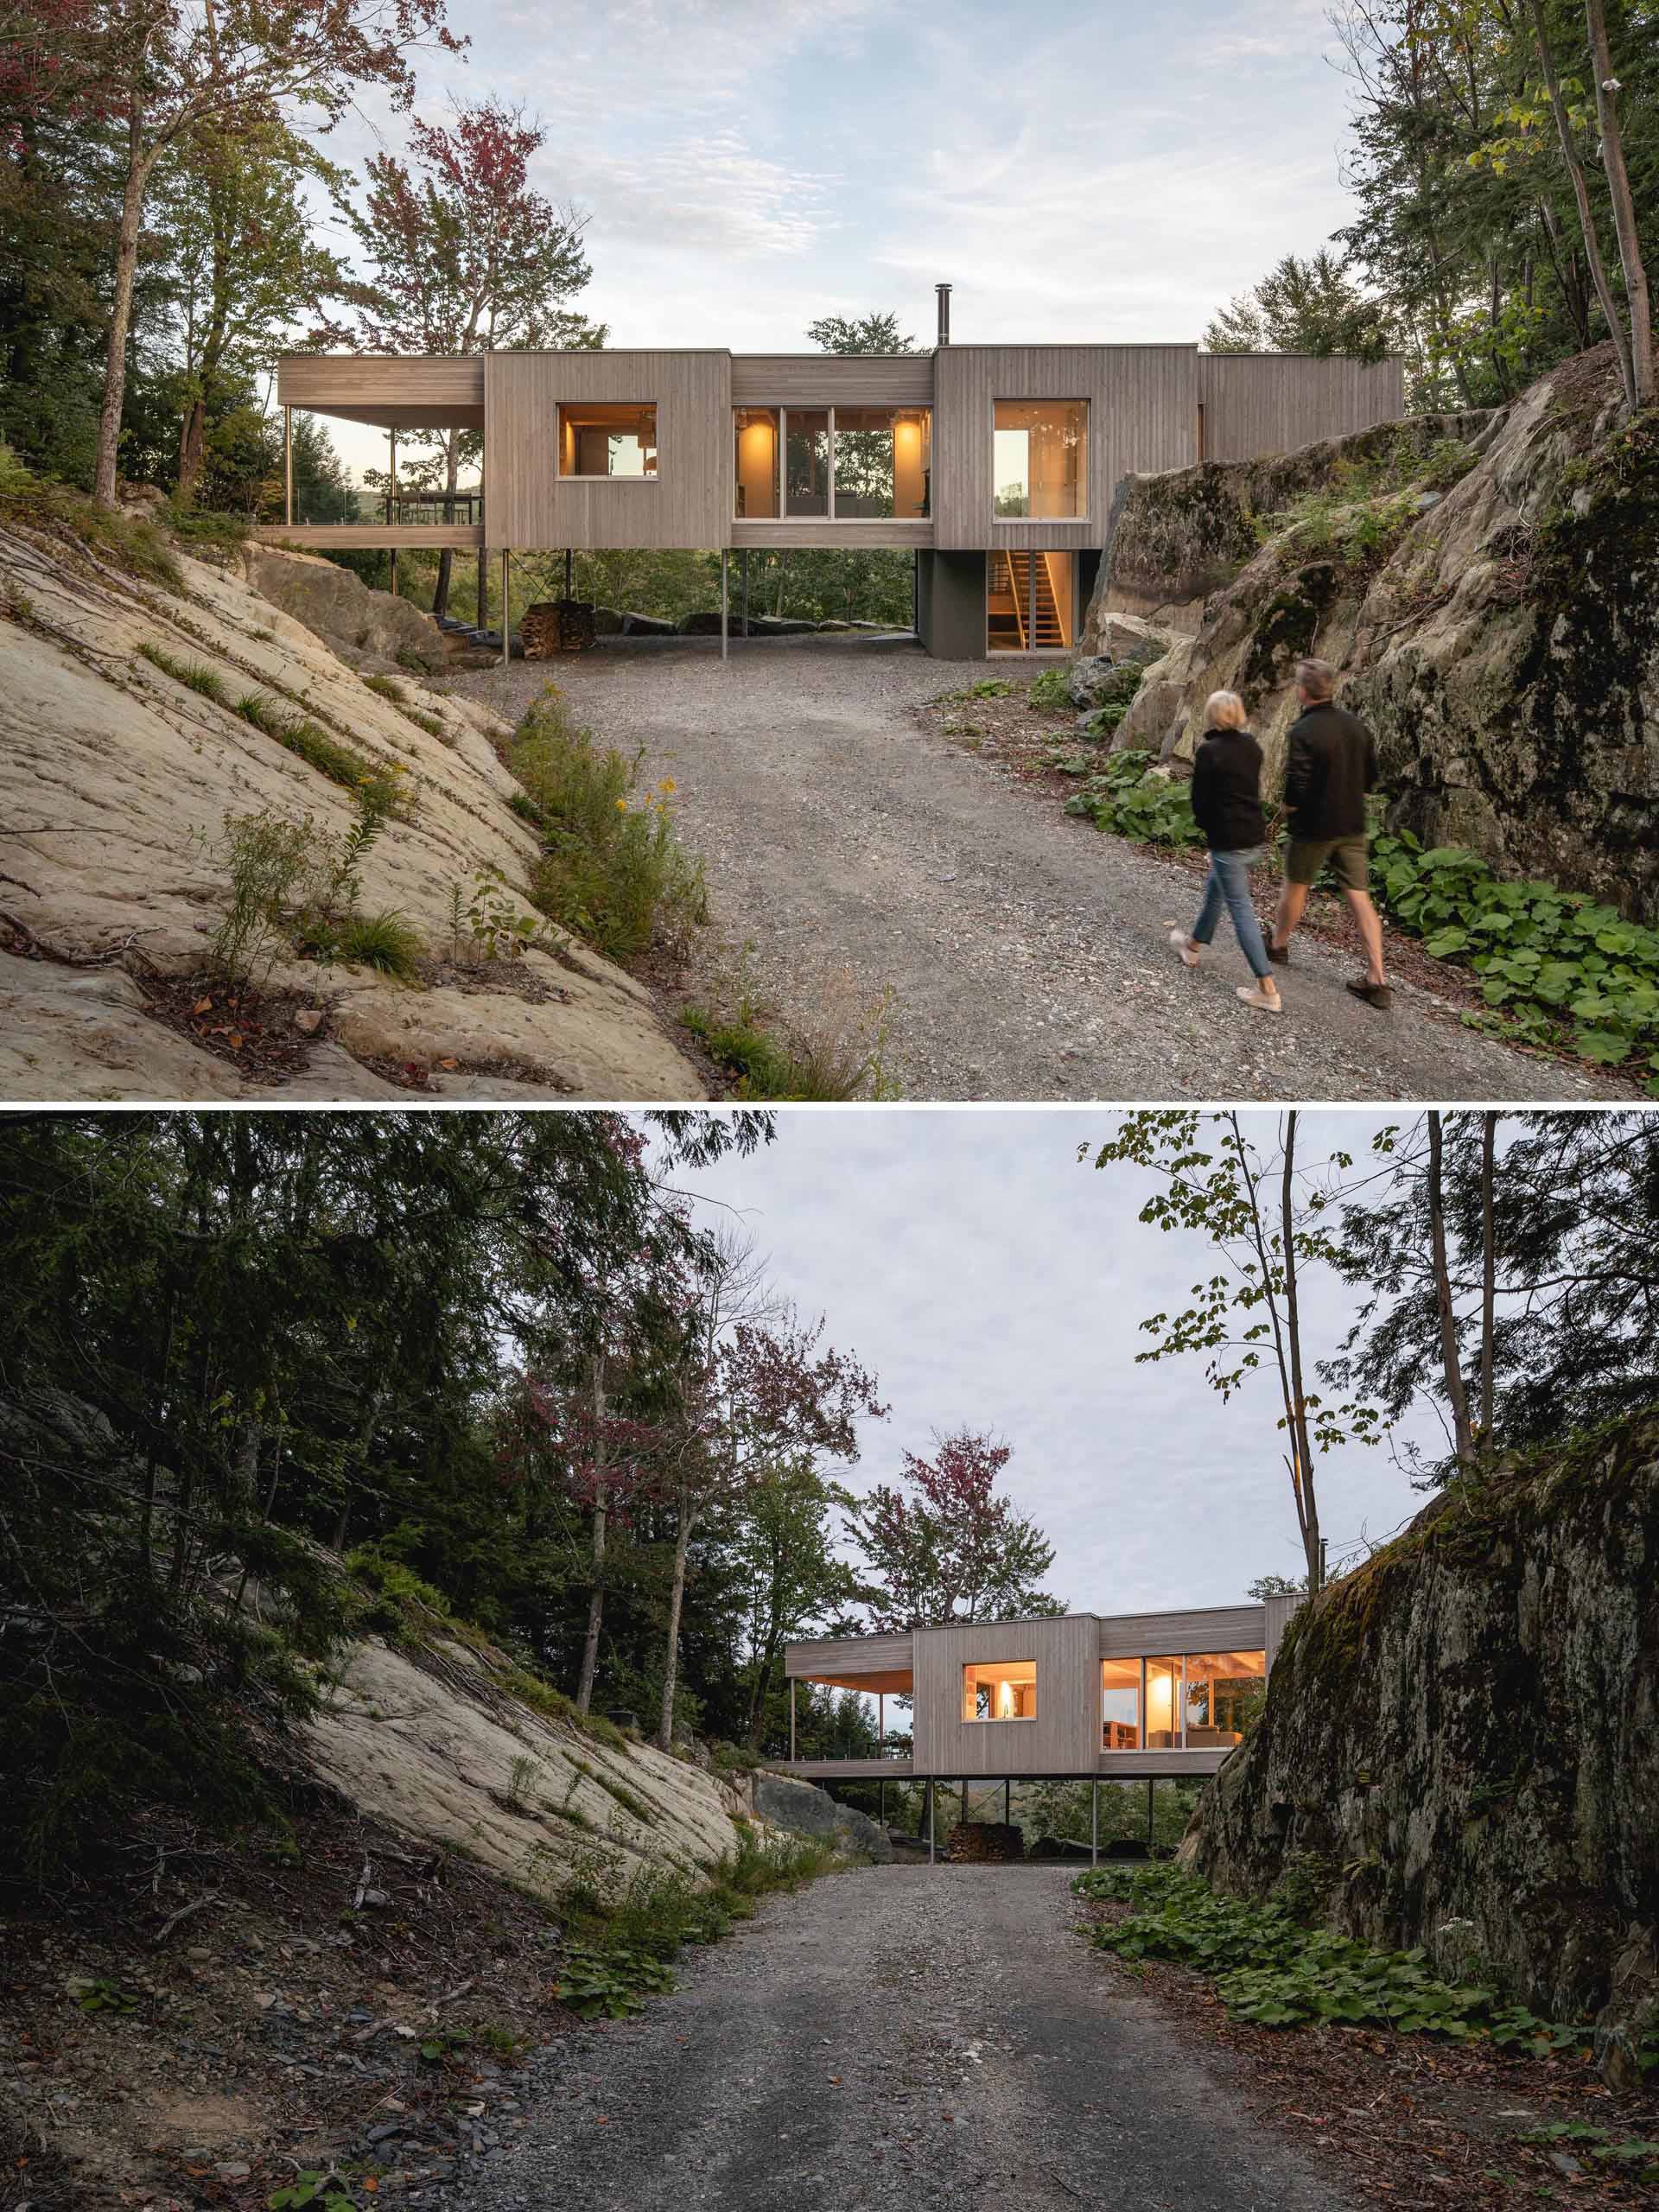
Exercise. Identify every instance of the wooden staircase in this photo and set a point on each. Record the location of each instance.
(1009, 623)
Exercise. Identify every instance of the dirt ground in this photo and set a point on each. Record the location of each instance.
(856, 853)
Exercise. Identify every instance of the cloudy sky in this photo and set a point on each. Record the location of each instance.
(994, 1281)
(1097, 169)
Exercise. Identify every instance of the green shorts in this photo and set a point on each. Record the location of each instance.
(1348, 856)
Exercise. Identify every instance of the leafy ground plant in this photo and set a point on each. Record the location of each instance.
(1128, 798)
(1271, 1968)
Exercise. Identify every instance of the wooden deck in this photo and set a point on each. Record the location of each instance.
(372, 537)
(844, 1769)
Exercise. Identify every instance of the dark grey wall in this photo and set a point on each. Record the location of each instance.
(952, 598)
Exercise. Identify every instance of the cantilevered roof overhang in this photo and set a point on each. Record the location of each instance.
(389, 391)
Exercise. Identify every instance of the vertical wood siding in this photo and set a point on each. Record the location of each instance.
(1143, 415)
(1278, 1612)
(849, 1655)
(530, 506)
(832, 380)
(1208, 1628)
(1063, 1738)
(1272, 402)
(361, 387)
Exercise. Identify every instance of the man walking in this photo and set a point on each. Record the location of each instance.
(1330, 767)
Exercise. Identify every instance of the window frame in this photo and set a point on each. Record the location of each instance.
(1182, 1659)
(582, 477)
(826, 408)
(988, 1720)
(1044, 399)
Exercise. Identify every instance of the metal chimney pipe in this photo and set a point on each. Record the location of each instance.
(944, 291)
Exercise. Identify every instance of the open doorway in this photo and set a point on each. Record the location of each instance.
(1031, 600)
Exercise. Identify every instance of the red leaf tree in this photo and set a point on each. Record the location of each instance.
(942, 1545)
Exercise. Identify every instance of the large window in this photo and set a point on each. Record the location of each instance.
(1196, 1701)
(845, 464)
(607, 438)
(1040, 460)
(999, 1689)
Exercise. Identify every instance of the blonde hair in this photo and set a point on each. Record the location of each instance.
(1224, 710)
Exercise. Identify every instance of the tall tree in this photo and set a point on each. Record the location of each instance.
(158, 70)
(1303, 306)
(942, 1545)
(1264, 1213)
(878, 332)
(464, 255)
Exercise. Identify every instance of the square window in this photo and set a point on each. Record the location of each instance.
(607, 438)
(999, 1689)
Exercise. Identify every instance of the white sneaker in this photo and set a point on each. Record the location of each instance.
(1184, 946)
(1264, 1001)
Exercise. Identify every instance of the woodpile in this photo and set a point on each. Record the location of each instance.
(556, 626)
(988, 1840)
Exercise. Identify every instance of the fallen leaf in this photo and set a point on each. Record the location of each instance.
(449, 1064)
(202, 1006)
(236, 1040)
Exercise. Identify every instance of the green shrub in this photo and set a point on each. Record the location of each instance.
(612, 869)
(217, 536)
(267, 859)
(1553, 964)
(1271, 1968)
(39, 502)
(1049, 691)
(553, 1704)
(1126, 798)
(766, 1066)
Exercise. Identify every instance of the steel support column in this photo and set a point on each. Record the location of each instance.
(288, 465)
(1094, 1822)
(506, 622)
(743, 563)
(1151, 1786)
(792, 1717)
(391, 480)
(724, 559)
(931, 1794)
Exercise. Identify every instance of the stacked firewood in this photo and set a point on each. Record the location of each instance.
(987, 1840)
(556, 626)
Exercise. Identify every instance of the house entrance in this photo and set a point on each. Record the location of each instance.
(1030, 601)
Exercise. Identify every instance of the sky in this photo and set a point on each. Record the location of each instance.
(994, 1281)
(1084, 172)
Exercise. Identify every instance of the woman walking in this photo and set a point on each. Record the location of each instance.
(1227, 807)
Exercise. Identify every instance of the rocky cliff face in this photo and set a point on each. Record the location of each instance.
(1489, 586)
(1461, 1746)
(118, 773)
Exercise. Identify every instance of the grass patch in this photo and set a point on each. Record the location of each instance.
(195, 675)
(841, 1057)
(138, 548)
(622, 1947)
(203, 532)
(612, 867)
(1270, 1969)
(1359, 516)
(553, 1704)
(384, 942)
(388, 687)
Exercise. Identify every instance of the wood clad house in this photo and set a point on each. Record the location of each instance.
(994, 465)
(1126, 1697)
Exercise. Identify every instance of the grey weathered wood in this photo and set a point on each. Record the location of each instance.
(1278, 1612)
(1062, 1736)
(393, 391)
(827, 1659)
(815, 531)
(349, 537)
(826, 379)
(687, 504)
(1142, 413)
(1272, 402)
(1207, 1628)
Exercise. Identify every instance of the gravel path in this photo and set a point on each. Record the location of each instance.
(1025, 955)
(925, 2037)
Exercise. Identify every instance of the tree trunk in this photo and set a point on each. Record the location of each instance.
(1581, 194)
(126, 266)
(1309, 1504)
(1451, 1364)
(190, 443)
(602, 1502)
(671, 1656)
(1618, 190)
(1488, 1278)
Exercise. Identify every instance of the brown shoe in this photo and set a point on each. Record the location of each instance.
(1279, 954)
(1373, 993)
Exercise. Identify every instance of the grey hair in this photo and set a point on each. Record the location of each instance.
(1317, 677)
(1224, 710)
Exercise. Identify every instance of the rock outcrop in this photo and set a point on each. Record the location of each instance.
(804, 1809)
(1489, 587)
(117, 779)
(1461, 1743)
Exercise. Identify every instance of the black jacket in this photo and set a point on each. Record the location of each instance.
(1330, 766)
(1227, 791)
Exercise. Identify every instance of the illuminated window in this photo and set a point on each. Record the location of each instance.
(607, 438)
(1198, 1700)
(1224, 1691)
(1039, 458)
(999, 1689)
(848, 464)
(1120, 1704)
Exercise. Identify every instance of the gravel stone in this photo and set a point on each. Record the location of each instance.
(1026, 959)
(923, 2036)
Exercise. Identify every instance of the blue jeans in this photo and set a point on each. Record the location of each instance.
(1229, 883)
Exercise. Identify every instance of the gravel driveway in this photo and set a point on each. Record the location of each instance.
(903, 2036)
(1025, 957)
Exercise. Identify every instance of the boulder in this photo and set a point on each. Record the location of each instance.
(706, 624)
(1086, 680)
(363, 626)
(805, 1809)
(1491, 596)
(778, 625)
(647, 625)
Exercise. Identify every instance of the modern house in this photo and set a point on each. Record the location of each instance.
(994, 465)
(1125, 1697)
